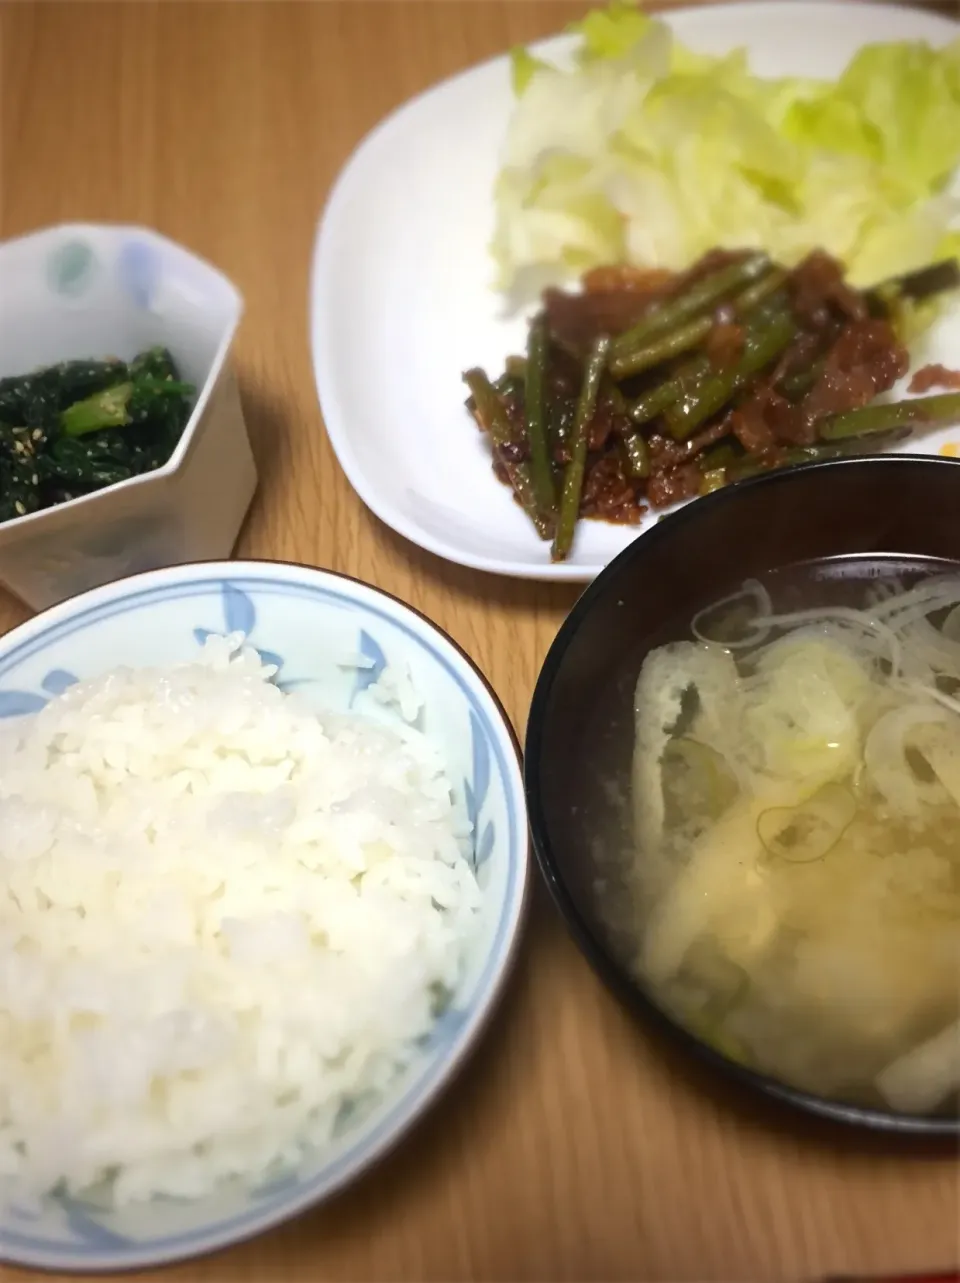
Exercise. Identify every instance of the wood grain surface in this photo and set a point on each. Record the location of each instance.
(575, 1147)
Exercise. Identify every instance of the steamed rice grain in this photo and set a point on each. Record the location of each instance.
(223, 917)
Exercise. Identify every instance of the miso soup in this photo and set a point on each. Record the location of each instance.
(781, 778)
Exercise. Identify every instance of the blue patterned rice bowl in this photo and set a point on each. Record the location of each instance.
(306, 623)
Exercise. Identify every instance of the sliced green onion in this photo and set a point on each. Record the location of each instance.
(807, 833)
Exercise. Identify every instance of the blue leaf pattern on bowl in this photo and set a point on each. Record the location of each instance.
(471, 803)
(476, 792)
(484, 847)
(24, 1214)
(82, 1233)
(20, 703)
(445, 1028)
(278, 1187)
(345, 1115)
(366, 677)
(88, 1231)
(239, 612)
(58, 680)
(239, 616)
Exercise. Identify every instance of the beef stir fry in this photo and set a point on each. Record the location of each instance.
(649, 388)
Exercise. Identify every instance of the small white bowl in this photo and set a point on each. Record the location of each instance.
(85, 290)
(307, 620)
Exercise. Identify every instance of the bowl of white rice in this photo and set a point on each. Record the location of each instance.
(263, 865)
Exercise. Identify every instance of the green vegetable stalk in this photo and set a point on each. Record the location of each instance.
(495, 422)
(638, 455)
(922, 412)
(771, 335)
(690, 334)
(573, 476)
(125, 403)
(107, 409)
(535, 374)
(750, 466)
(646, 407)
(702, 295)
(928, 282)
(799, 382)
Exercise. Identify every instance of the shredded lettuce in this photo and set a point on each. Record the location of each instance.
(646, 152)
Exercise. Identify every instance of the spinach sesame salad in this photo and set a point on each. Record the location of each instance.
(71, 429)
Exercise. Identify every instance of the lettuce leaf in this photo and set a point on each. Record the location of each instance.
(610, 33)
(644, 151)
(523, 67)
(907, 94)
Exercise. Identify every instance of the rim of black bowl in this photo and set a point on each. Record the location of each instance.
(589, 940)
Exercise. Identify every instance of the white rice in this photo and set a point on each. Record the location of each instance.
(222, 918)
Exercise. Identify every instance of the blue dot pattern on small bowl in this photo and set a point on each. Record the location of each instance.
(71, 268)
(138, 269)
(88, 1237)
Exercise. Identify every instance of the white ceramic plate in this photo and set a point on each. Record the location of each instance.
(402, 302)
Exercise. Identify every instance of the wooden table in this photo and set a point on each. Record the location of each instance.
(575, 1147)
